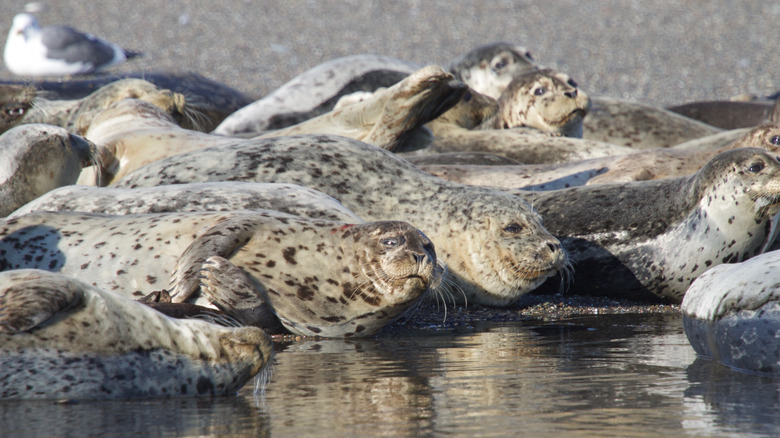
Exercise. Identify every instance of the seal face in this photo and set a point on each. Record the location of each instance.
(15, 102)
(651, 239)
(488, 69)
(320, 277)
(732, 314)
(547, 100)
(35, 159)
(63, 338)
(462, 221)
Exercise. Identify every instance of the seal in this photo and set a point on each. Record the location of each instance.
(490, 68)
(641, 165)
(729, 114)
(315, 92)
(546, 100)
(388, 117)
(640, 126)
(320, 278)
(63, 338)
(493, 243)
(15, 102)
(35, 159)
(650, 239)
(731, 314)
(217, 196)
(214, 101)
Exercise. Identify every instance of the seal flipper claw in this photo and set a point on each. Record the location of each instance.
(232, 291)
(23, 308)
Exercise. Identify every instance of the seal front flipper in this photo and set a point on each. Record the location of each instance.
(24, 307)
(233, 292)
(223, 239)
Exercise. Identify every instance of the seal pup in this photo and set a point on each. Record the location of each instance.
(216, 196)
(15, 102)
(650, 239)
(35, 159)
(641, 165)
(493, 243)
(61, 338)
(546, 100)
(388, 117)
(315, 92)
(320, 278)
(640, 126)
(488, 69)
(31, 50)
(731, 314)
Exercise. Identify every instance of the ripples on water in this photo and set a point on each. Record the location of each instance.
(606, 375)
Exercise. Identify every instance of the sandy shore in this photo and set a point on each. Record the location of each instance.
(663, 52)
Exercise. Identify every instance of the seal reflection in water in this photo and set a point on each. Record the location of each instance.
(651, 239)
(318, 277)
(62, 338)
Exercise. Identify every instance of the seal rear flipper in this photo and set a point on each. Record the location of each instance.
(223, 239)
(24, 306)
(232, 291)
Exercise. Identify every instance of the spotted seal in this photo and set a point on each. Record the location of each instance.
(493, 243)
(489, 68)
(731, 314)
(638, 166)
(320, 278)
(35, 159)
(216, 196)
(545, 99)
(15, 102)
(63, 338)
(651, 239)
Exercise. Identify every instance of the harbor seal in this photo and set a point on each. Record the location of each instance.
(641, 165)
(729, 114)
(651, 239)
(315, 92)
(35, 159)
(546, 100)
(216, 196)
(489, 68)
(15, 101)
(61, 338)
(320, 278)
(731, 314)
(493, 243)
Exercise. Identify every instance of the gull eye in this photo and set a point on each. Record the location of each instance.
(775, 140)
(391, 242)
(756, 167)
(513, 228)
(540, 91)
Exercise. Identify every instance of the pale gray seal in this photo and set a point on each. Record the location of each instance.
(493, 243)
(731, 314)
(61, 338)
(489, 68)
(37, 158)
(651, 239)
(320, 278)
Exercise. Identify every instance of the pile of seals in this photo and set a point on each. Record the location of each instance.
(336, 205)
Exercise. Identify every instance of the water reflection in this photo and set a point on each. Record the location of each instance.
(606, 375)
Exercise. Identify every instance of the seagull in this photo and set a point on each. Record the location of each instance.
(57, 50)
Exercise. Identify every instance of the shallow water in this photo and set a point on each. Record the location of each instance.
(605, 375)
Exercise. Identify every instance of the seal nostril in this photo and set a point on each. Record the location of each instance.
(419, 258)
(571, 94)
(553, 246)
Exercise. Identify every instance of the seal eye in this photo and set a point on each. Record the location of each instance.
(539, 91)
(393, 241)
(513, 228)
(572, 83)
(500, 64)
(467, 96)
(756, 167)
(775, 140)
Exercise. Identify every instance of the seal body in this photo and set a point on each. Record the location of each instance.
(35, 159)
(493, 243)
(320, 277)
(63, 338)
(651, 239)
(218, 196)
(731, 314)
(727, 114)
